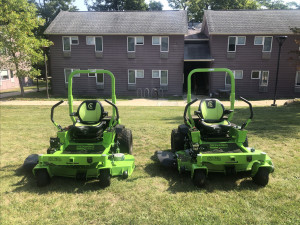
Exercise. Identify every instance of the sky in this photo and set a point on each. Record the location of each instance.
(81, 6)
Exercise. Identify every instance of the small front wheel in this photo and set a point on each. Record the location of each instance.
(42, 177)
(104, 178)
(199, 178)
(262, 176)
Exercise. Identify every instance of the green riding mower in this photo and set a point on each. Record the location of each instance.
(94, 146)
(209, 142)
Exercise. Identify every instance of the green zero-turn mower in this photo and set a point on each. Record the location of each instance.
(209, 142)
(95, 146)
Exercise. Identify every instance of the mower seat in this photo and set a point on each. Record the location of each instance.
(89, 124)
(212, 121)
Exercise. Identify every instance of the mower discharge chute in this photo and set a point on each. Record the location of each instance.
(95, 146)
(209, 142)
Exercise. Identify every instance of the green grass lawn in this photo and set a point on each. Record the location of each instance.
(152, 195)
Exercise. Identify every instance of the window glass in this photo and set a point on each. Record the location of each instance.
(92, 74)
(4, 75)
(231, 44)
(98, 46)
(264, 78)
(131, 45)
(67, 73)
(66, 44)
(140, 74)
(155, 73)
(258, 40)
(131, 77)
(227, 79)
(241, 40)
(90, 40)
(155, 40)
(74, 40)
(139, 40)
(267, 44)
(298, 78)
(164, 77)
(255, 75)
(238, 74)
(100, 78)
(164, 44)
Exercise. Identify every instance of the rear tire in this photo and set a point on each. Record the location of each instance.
(125, 140)
(262, 176)
(104, 178)
(177, 141)
(199, 178)
(42, 177)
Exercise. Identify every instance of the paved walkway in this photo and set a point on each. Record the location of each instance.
(144, 102)
(17, 93)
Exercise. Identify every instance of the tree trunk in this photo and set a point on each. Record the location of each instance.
(21, 86)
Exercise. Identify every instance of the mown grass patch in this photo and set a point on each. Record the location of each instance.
(152, 195)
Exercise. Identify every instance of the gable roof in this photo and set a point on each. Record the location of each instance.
(252, 21)
(128, 22)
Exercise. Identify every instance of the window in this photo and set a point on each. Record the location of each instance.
(90, 40)
(231, 44)
(155, 40)
(68, 72)
(4, 74)
(238, 74)
(164, 47)
(264, 78)
(139, 40)
(155, 74)
(255, 74)
(68, 41)
(164, 77)
(265, 41)
(139, 73)
(297, 81)
(100, 78)
(97, 41)
(241, 40)
(130, 44)
(131, 77)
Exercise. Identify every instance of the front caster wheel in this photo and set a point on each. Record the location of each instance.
(104, 178)
(199, 178)
(262, 176)
(42, 177)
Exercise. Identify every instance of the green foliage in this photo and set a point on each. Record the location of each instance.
(155, 6)
(116, 5)
(23, 49)
(273, 4)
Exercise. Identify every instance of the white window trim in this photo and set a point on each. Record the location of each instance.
(237, 37)
(86, 42)
(267, 80)
(158, 74)
(7, 74)
(134, 77)
(262, 40)
(264, 44)
(133, 45)
(159, 38)
(161, 44)
(234, 43)
(101, 42)
(71, 40)
(297, 74)
(135, 38)
(259, 74)
(77, 75)
(238, 78)
(64, 43)
(167, 78)
(91, 76)
(97, 79)
(139, 77)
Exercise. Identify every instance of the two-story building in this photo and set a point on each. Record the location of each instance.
(142, 49)
(246, 42)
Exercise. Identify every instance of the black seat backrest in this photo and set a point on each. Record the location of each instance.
(90, 112)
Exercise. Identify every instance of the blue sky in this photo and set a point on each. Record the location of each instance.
(81, 6)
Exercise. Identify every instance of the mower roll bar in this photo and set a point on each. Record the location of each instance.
(112, 121)
(116, 108)
(186, 120)
(52, 114)
(244, 125)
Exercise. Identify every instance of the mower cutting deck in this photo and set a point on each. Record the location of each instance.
(209, 142)
(94, 146)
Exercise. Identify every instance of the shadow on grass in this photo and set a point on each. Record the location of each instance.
(215, 181)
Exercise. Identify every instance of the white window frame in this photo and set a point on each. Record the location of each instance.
(94, 73)
(70, 41)
(263, 42)
(259, 76)
(77, 75)
(238, 78)
(267, 79)
(136, 71)
(234, 43)
(161, 43)
(134, 76)
(86, 40)
(167, 78)
(158, 74)
(237, 38)
(96, 77)
(101, 42)
(297, 74)
(133, 42)
(7, 74)
(159, 40)
(76, 38)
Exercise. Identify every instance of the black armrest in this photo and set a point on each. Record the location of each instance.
(226, 112)
(74, 114)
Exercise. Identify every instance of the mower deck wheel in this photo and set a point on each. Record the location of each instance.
(42, 178)
(177, 141)
(104, 178)
(125, 140)
(199, 178)
(262, 176)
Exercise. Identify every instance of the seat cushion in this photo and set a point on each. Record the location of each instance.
(81, 131)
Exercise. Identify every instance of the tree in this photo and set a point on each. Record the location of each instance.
(179, 4)
(273, 4)
(155, 6)
(116, 5)
(23, 49)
